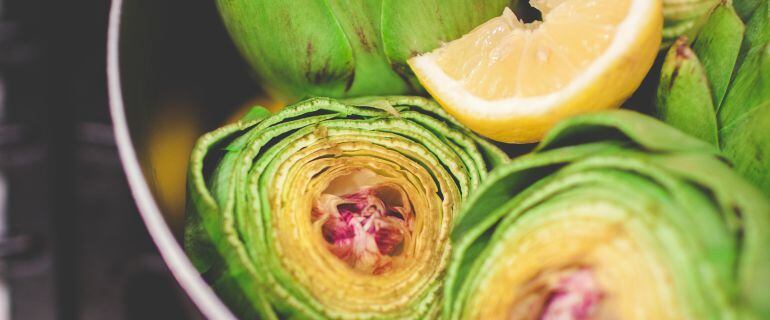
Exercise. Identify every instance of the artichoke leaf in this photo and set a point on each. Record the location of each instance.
(732, 62)
(685, 97)
(341, 49)
(717, 46)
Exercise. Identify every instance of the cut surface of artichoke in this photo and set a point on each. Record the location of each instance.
(614, 216)
(333, 209)
(363, 273)
(366, 220)
(585, 240)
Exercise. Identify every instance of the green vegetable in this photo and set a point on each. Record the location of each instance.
(614, 216)
(718, 89)
(745, 8)
(684, 18)
(307, 48)
(687, 17)
(332, 209)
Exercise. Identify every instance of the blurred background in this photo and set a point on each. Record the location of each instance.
(72, 244)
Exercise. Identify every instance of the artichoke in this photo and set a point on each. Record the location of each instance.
(683, 18)
(345, 48)
(718, 89)
(332, 209)
(745, 8)
(686, 17)
(615, 215)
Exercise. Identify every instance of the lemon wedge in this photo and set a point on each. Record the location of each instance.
(512, 81)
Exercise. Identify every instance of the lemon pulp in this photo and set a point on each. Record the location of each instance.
(511, 81)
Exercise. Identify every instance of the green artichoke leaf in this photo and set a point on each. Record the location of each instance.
(745, 117)
(685, 98)
(733, 63)
(373, 72)
(684, 18)
(717, 46)
(746, 142)
(307, 53)
(757, 31)
(267, 194)
(699, 222)
(751, 86)
(622, 126)
(340, 49)
(746, 8)
(413, 27)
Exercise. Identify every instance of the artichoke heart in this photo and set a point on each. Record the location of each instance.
(339, 49)
(614, 216)
(332, 209)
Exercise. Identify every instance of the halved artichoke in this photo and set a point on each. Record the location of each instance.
(332, 209)
(614, 216)
(303, 48)
(718, 89)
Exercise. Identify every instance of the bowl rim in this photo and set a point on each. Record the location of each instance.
(181, 267)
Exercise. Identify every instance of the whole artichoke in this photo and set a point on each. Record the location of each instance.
(304, 48)
(334, 210)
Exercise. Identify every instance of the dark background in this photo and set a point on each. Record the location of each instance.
(72, 245)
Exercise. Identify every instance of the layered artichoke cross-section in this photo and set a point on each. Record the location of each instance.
(614, 216)
(333, 209)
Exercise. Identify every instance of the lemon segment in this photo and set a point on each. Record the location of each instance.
(511, 81)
